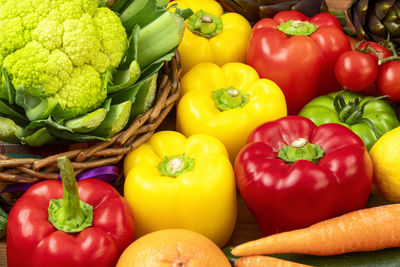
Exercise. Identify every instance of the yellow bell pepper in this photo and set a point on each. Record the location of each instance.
(178, 182)
(227, 102)
(211, 35)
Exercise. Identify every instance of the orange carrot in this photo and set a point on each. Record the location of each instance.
(262, 261)
(362, 230)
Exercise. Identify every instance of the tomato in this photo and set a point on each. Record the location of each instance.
(388, 81)
(382, 51)
(356, 71)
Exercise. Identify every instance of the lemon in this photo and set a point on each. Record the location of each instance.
(385, 156)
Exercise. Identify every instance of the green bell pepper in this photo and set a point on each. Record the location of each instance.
(368, 117)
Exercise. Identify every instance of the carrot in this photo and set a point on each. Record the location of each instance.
(262, 261)
(362, 230)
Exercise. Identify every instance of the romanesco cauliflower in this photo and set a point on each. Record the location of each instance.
(62, 46)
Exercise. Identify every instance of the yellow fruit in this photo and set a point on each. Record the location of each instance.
(385, 156)
(173, 247)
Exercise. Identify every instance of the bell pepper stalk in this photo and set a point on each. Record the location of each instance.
(227, 102)
(69, 223)
(369, 117)
(178, 182)
(298, 53)
(212, 35)
(300, 149)
(69, 214)
(205, 24)
(293, 173)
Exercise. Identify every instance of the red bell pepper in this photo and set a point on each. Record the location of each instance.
(46, 230)
(298, 53)
(292, 174)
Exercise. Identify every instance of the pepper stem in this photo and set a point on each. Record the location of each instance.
(297, 27)
(205, 24)
(69, 214)
(301, 149)
(352, 112)
(174, 166)
(229, 98)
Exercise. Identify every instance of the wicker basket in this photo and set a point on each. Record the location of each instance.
(28, 170)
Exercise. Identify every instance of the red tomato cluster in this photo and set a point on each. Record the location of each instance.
(366, 66)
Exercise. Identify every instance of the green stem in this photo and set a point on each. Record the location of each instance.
(352, 112)
(301, 149)
(381, 60)
(297, 27)
(205, 24)
(70, 214)
(229, 98)
(174, 166)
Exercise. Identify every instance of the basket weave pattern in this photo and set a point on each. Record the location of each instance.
(28, 170)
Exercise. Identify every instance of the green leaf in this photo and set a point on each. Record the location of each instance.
(39, 138)
(9, 131)
(159, 38)
(87, 122)
(102, 3)
(140, 12)
(125, 79)
(162, 3)
(75, 137)
(184, 13)
(119, 5)
(107, 104)
(11, 111)
(36, 103)
(45, 123)
(115, 121)
(3, 223)
(7, 92)
(131, 52)
(156, 65)
(126, 94)
(62, 132)
(145, 97)
(59, 114)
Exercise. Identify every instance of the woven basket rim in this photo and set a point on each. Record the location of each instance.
(102, 153)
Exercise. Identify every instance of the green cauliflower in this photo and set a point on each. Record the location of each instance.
(62, 47)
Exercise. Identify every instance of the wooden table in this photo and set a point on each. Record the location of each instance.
(246, 227)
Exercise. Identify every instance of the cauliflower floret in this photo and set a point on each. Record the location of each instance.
(85, 78)
(62, 46)
(110, 38)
